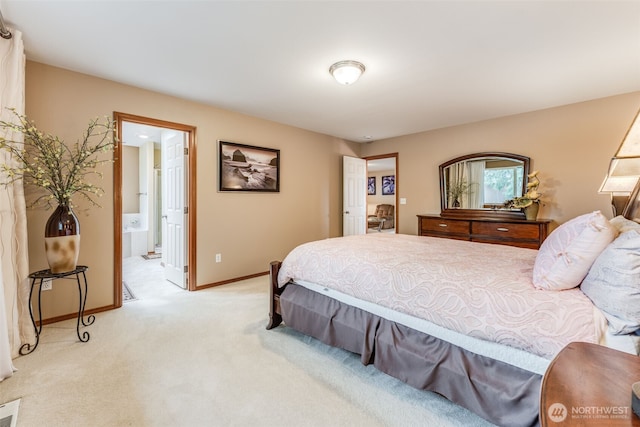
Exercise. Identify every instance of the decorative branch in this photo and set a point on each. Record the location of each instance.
(54, 168)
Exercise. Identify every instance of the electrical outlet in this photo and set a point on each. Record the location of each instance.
(218, 257)
(47, 284)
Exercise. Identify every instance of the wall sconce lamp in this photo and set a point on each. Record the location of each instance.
(624, 169)
(346, 72)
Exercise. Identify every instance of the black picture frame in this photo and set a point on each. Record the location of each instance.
(243, 167)
(388, 185)
(371, 186)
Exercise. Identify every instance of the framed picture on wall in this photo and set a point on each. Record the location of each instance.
(388, 185)
(371, 186)
(248, 168)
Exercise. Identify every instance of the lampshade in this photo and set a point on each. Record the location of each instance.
(624, 168)
(630, 146)
(346, 72)
(618, 184)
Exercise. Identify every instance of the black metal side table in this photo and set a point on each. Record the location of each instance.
(40, 277)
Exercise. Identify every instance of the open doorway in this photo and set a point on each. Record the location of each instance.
(154, 207)
(382, 193)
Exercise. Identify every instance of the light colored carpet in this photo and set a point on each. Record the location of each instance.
(205, 359)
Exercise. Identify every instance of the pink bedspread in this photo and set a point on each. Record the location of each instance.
(482, 290)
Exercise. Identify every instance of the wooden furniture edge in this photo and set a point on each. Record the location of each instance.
(275, 316)
(588, 375)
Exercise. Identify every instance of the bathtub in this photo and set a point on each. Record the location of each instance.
(134, 236)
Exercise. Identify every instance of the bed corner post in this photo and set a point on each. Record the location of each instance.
(275, 318)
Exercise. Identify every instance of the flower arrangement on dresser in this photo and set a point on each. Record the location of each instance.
(456, 190)
(531, 200)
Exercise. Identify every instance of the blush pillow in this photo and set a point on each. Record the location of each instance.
(613, 283)
(565, 257)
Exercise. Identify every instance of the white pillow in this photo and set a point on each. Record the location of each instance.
(623, 224)
(613, 283)
(565, 257)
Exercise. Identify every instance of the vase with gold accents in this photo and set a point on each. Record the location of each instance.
(531, 211)
(62, 240)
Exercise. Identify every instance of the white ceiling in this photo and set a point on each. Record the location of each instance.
(430, 64)
(378, 165)
(136, 134)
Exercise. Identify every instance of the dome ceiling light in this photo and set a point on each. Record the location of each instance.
(346, 72)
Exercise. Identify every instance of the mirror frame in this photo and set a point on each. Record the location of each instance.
(483, 213)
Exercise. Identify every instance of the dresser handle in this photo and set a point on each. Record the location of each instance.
(442, 225)
(502, 229)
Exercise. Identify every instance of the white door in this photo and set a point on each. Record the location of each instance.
(174, 249)
(354, 197)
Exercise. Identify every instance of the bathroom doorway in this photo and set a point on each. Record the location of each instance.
(154, 171)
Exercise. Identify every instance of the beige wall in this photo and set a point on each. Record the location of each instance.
(571, 147)
(248, 229)
(157, 158)
(130, 176)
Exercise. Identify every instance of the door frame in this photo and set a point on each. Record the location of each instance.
(397, 207)
(118, 118)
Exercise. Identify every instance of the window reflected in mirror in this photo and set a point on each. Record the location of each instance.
(502, 181)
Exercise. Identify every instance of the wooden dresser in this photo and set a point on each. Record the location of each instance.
(513, 232)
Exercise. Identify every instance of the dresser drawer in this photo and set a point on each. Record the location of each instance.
(512, 232)
(444, 226)
(506, 230)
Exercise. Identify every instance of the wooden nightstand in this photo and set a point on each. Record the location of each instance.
(589, 385)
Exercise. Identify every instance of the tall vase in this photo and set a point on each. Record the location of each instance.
(62, 240)
(531, 211)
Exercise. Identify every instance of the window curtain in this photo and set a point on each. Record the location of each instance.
(458, 174)
(476, 179)
(15, 323)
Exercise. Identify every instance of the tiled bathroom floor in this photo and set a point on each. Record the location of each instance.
(145, 278)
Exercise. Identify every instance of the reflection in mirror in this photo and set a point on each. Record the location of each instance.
(482, 181)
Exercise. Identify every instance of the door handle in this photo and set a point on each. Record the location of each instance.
(346, 212)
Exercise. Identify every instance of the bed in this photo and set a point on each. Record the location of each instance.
(463, 319)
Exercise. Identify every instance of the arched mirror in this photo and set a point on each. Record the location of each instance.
(478, 184)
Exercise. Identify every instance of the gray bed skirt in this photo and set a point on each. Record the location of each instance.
(498, 392)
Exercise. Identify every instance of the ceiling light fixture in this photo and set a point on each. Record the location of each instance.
(346, 72)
